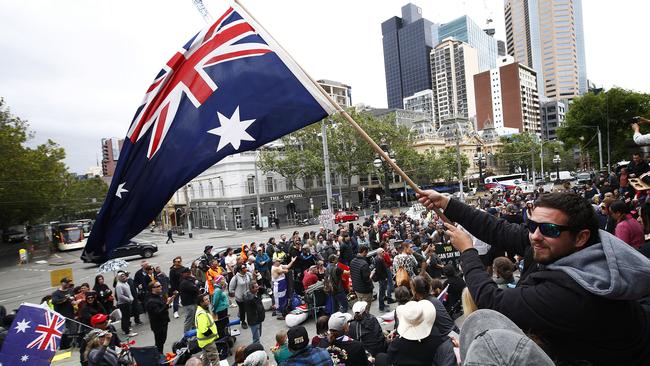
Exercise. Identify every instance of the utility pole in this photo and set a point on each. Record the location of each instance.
(541, 157)
(460, 176)
(532, 161)
(326, 159)
(600, 149)
(189, 212)
(257, 194)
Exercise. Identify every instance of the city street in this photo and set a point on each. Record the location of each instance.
(29, 283)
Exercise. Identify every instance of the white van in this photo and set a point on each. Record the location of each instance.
(564, 175)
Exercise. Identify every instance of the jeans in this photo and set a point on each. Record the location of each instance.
(175, 304)
(341, 301)
(390, 285)
(188, 322)
(256, 332)
(382, 294)
(210, 354)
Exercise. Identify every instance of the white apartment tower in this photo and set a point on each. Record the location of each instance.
(453, 65)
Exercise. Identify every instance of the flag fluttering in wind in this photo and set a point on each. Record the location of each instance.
(230, 89)
(33, 338)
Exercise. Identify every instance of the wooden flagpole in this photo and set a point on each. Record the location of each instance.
(352, 122)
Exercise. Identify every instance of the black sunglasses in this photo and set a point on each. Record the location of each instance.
(547, 229)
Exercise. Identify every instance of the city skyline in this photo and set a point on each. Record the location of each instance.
(93, 61)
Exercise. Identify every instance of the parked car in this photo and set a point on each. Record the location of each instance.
(585, 177)
(141, 248)
(15, 234)
(344, 216)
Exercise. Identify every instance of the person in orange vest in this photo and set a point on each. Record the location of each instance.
(212, 276)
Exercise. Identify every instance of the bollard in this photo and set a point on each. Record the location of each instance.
(22, 255)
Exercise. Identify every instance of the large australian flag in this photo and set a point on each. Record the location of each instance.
(230, 89)
(33, 338)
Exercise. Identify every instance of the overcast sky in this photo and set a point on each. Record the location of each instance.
(77, 70)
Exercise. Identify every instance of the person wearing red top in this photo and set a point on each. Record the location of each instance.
(310, 277)
(627, 228)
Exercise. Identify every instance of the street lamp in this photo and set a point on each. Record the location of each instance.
(380, 163)
(557, 161)
(479, 159)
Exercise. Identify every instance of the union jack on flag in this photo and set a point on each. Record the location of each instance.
(50, 332)
(230, 89)
(185, 73)
(34, 336)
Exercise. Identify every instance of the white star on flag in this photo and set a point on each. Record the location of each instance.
(120, 190)
(22, 326)
(232, 130)
(24, 358)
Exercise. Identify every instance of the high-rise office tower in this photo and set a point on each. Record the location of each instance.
(407, 43)
(548, 36)
(453, 65)
(466, 30)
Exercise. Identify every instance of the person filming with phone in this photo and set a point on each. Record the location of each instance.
(573, 276)
(640, 139)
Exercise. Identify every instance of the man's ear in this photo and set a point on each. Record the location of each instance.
(582, 238)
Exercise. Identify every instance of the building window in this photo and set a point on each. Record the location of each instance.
(251, 185)
(270, 185)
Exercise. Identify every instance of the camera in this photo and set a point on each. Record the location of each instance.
(636, 119)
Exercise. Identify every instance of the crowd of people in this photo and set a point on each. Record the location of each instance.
(536, 272)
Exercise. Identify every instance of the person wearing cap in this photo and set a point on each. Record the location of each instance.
(303, 354)
(280, 285)
(206, 331)
(572, 275)
(365, 328)
(418, 342)
(188, 294)
(158, 310)
(124, 299)
(344, 350)
(488, 338)
(99, 322)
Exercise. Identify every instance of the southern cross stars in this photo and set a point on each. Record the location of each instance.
(22, 326)
(232, 130)
(120, 190)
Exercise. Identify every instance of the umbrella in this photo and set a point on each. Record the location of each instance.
(113, 265)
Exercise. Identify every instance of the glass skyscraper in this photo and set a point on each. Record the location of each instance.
(407, 43)
(466, 30)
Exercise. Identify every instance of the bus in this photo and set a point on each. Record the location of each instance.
(69, 236)
(87, 225)
(505, 182)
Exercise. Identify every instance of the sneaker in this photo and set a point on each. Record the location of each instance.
(273, 313)
(244, 325)
(390, 301)
(233, 305)
(280, 317)
(176, 316)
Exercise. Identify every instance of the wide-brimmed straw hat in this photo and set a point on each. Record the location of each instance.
(416, 319)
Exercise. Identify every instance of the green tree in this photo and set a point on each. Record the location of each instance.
(449, 161)
(351, 155)
(82, 198)
(31, 179)
(299, 158)
(617, 106)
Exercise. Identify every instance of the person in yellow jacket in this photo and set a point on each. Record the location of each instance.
(206, 331)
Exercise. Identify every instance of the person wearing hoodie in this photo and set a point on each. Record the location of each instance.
(574, 275)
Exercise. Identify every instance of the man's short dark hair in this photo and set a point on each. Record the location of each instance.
(363, 248)
(619, 207)
(581, 215)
